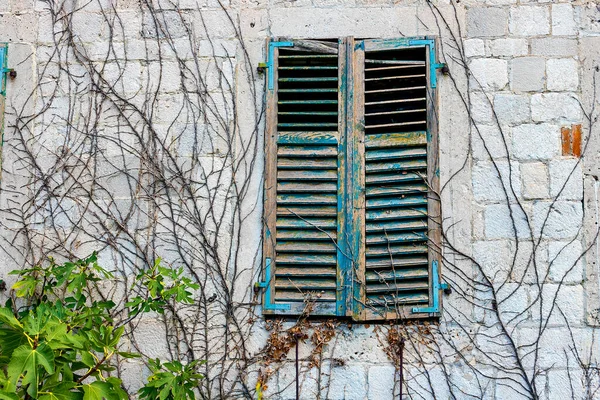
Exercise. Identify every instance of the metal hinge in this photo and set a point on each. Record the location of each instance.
(433, 65)
(269, 64)
(437, 287)
(4, 71)
(268, 304)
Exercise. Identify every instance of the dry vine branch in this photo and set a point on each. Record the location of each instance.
(139, 148)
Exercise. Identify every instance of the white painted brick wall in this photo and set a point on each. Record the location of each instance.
(489, 73)
(526, 60)
(527, 74)
(529, 21)
(563, 74)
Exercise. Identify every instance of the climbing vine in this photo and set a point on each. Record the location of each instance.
(141, 137)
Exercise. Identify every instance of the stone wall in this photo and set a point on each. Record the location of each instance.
(520, 71)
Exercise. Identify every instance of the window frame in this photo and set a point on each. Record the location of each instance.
(351, 131)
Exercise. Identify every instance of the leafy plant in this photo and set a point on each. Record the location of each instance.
(171, 381)
(59, 342)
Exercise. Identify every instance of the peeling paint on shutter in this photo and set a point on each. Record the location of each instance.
(351, 176)
(397, 273)
(307, 179)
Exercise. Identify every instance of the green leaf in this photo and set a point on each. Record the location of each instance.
(62, 391)
(10, 339)
(7, 317)
(56, 335)
(88, 359)
(8, 396)
(126, 354)
(25, 287)
(36, 320)
(109, 390)
(26, 361)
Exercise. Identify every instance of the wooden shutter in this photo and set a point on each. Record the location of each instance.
(396, 278)
(304, 164)
(351, 215)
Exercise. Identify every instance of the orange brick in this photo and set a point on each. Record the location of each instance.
(576, 140)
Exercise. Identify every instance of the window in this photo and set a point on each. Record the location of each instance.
(351, 218)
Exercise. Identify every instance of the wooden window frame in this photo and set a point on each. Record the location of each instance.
(351, 279)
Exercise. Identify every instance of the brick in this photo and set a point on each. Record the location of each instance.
(20, 6)
(360, 345)
(481, 108)
(133, 373)
(553, 47)
(500, 2)
(487, 179)
(489, 73)
(300, 22)
(566, 263)
(535, 141)
(486, 22)
(474, 47)
(150, 336)
(499, 224)
(567, 384)
(125, 77)
(19, 28)
(513, 299)
(508, 47)
(562, 74)
(464, 381)
(588, 18)
(494, 257)
(509, 392)
(562, 107)
(527, 74)
(489, 136)
(512, 109)
(90, 27)
(563, 22)
(529, 21)
(286, 382)
(381, 382)
(529, 258)
(568, 173)
(535, 180)
(561, 222)
(224, 48)
(571, 301)
(348, 383)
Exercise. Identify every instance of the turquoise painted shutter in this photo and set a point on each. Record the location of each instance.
(303, 179)
(350, 160)
(3, 68)
(397, 263)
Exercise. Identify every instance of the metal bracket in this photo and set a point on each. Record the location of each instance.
(268, 304)
(437, 287)
(269, 64)
(433, 65)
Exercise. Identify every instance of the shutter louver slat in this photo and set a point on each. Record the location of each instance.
(307, 181)
(397, 269)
